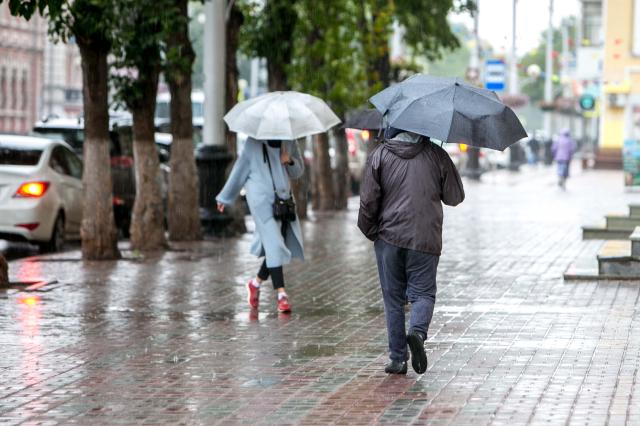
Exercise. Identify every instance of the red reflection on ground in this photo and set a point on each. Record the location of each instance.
(29, 319)
(29, 271)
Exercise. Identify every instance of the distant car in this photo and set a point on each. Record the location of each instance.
(122, 162)
(40, 191)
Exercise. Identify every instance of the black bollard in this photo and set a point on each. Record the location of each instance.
(514, 157)
(212, 162)
(472, 170)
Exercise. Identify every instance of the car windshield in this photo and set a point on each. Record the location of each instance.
(19, 155)
(73, 137)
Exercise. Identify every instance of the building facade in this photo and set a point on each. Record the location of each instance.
(620, 107)
(38, 78)
(62, 86)
(22, 46)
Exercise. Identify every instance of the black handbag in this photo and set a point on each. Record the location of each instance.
(283, 209)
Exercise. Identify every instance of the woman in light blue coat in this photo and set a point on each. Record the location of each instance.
(278, 241)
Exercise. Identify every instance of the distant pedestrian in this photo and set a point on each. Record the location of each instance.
(563, 149)
(264, 169)
(534, 150)
(406, 180)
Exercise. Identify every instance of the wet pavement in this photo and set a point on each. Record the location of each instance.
(169, 339)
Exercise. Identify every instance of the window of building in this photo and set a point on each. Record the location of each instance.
(73, 95)
(3, 88)
(25, 94)
(14, 89)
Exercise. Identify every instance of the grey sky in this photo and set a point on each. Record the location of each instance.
(532, 18)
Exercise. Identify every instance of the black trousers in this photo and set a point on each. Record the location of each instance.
(277, 275)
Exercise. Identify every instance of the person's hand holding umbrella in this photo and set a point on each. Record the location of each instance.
(285, 158)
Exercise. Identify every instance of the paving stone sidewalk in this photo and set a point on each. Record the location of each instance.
(169, 339)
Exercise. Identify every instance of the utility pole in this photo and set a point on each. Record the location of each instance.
(513, 63)
(515, 150)
(214, 72)
(548, 87)
(472, 169)
(212, 156)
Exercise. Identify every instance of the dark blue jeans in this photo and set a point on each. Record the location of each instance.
(411, 274)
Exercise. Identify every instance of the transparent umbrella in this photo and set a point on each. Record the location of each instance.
(282, 116)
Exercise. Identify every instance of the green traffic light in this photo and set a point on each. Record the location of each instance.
(587, 102)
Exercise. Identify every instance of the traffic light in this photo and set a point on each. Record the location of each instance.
(587, 102)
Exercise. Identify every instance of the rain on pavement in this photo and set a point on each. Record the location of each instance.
(169, 338)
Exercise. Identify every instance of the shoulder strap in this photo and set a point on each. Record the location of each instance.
(265, 155)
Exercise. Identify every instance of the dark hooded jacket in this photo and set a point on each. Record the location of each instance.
(404, 186)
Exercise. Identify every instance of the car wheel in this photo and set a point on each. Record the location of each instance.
(56, 243)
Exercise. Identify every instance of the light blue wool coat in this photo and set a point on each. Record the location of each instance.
(252, 172)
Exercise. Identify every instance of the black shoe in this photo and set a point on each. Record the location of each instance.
(396, 367)
(418, 355)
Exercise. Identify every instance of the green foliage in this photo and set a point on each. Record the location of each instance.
(427, 30)
(534, 88)
(453, 63)
(327, 61)
(268, 28)
(139, 46)
(196, 34)
(89, 21)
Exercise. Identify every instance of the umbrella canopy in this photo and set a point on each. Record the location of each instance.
(282, 116)
(364, 119)
(450, 110)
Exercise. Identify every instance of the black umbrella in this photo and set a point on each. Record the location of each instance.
(449, 110)
(364, 119)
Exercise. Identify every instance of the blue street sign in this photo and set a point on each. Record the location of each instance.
(494, 75)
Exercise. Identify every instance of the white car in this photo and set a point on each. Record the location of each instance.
(40, 191)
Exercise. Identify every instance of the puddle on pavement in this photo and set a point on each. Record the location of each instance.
(321, 312)
(261, 382)
(314, 351)
(217, 316)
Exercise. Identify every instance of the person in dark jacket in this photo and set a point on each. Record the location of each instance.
(406, 180)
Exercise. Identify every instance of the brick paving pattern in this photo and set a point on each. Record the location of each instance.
(169, 339)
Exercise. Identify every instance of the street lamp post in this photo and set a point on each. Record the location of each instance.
(514, 150)
(212, 157)
(548, 88)
(472, 169)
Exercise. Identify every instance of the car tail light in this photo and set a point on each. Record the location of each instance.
(32, 190)
(29, 226)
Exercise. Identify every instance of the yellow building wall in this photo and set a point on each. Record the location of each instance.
(618, 24)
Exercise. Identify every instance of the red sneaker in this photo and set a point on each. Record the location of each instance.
(283, 304)
(253, 295)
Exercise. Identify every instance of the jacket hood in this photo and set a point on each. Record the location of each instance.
(405, 150)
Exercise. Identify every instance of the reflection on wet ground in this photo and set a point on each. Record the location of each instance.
(168, 338)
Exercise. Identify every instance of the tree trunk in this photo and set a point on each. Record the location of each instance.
(277, 76)
(236, 18)
(343, 178)
(4, 271)
(376, 42)
(183, 203)
(300, 186)
(322, 169)
(98, 231)
(147, 222)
